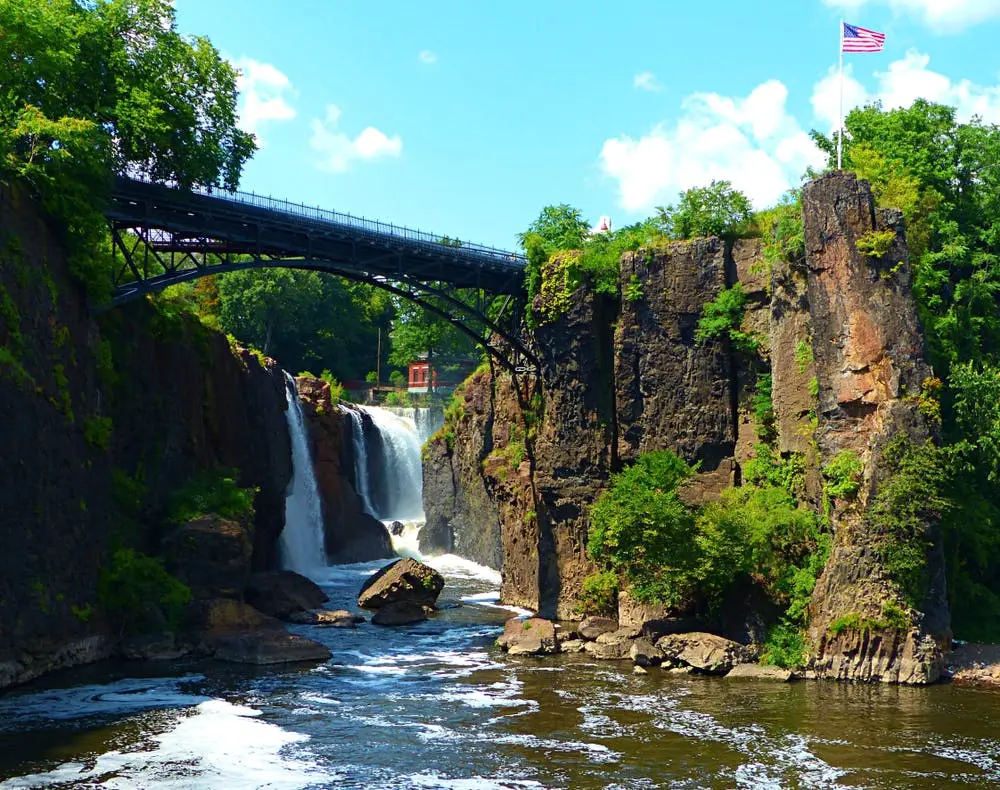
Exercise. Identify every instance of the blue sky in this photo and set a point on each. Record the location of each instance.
(465, 118)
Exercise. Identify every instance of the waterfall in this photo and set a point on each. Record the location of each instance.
(427, 420)
(401, 495)
(361, 474)
(302, 540)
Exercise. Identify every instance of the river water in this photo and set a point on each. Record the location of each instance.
(436, 705)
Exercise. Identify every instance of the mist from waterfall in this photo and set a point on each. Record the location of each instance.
(426, 420)
(301, 546)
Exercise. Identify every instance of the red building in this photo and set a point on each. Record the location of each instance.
(422, 377)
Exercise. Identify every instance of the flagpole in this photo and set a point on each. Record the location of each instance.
(840, 133)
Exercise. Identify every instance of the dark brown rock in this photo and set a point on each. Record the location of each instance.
(708, 653)
(530, 637)
(283, 593)
(760, 672)
(671, 392)
(592, 627)
(870, 359)
(644, 653)
(340, 618)
(401, 613)
(236, 632)
(211, 555)
(404, 580)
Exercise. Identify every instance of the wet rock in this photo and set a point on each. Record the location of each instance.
(645, 654)
(572, 646)
(234, 631)
(531, 637)
(401, 613)
(593, 627)
(211, 555)
(396, 528)
(340, 618)
(705, 652)
(760, 672)
(619, 636)
(283, 593)
(404, 580)
(608, 651)
(153, 647)
(638, 670)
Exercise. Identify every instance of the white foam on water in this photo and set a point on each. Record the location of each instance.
(431, 779)
(124, 696)
(219, 745)
(491, 600)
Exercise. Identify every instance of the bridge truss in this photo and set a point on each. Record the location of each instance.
(163, 236)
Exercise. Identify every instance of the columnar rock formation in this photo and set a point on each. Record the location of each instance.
(620, 379)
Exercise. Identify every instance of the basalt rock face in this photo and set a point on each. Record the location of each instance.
(103, 420)
(672, 393)
(838, 333)
(351, 534)
(871, 366)
(462, 516)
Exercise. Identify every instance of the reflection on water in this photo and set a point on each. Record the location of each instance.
(436, 706)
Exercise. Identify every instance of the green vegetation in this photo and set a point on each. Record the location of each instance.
(909, 500)
(715, 210)
(781, 230)
(803, 356)
(138, 589)
(721, 319)
(97, 431)
(215, 492)
(892, 616)
(842, 476)
(763, 409)
(600, 595)
(876, 243)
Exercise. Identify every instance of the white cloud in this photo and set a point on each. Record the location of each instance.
(338, 150)
(946, 16)
(426, 56)
(264, 94)
(751, 141)
(647, 82)
(906, 80)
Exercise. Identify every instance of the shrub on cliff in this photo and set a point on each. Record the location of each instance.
(641, 529)
(212, 492)
(715, 210)
(137, 589)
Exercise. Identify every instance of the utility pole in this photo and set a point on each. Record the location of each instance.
(378, 361)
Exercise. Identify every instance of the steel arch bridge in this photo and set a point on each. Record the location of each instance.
(163, 236)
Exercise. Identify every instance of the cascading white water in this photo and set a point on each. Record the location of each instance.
(360, 459)
(302, 540)
(426, 419)
(400, 465)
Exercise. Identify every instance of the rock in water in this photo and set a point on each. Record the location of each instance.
(404, 580)
(592, 627)
(396, 528)
(340, 618)
(704, 652)
(401, 613)
(529, 637)
(283, 593)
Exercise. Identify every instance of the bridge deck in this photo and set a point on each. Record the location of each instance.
(245, 223)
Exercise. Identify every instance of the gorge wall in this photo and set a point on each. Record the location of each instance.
(104, 418)
(840, 336)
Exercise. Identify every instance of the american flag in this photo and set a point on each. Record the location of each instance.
(858, 39)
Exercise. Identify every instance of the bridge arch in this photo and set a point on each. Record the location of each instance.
(188, 235)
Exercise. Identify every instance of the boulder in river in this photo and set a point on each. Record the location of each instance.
(340, 618)
(709, 653)
(211, 555)
(531, 637)
(283, 593)
(404, 580)
(401, 613)
(593, 627)
(760, 672)
(233, 631)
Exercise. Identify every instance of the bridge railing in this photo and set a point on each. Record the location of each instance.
(342, 219)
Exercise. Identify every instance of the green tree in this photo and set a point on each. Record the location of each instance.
(715, 210)
(556, 228)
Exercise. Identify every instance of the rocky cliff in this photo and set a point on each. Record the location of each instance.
(838, 334)
(103, 420)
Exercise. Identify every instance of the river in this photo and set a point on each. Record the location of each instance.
(436, 705)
